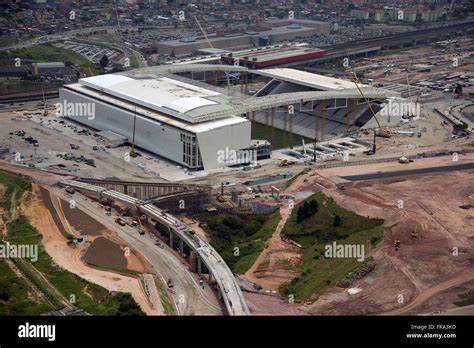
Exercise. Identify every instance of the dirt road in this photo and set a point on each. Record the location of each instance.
(70, 259)
(461, 278)
(189, 297)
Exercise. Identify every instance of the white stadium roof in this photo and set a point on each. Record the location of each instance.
(175, 98)
(308, 79)
(213, 123)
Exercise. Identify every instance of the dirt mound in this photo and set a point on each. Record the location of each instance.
(106, 254)
(80, 221)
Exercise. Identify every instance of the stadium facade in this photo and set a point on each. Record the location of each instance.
(168, 116)
(200, 126)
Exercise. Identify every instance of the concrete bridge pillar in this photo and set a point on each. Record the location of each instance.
(181, 247)
(199, 265)
(171, 238)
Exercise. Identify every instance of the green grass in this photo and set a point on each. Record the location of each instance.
(133, 61)
(29, 272)
(262, 266)
(282, 139)
(48, 53)
(247, 233)
(15, 295)
(319, 228)
(316, 273)
(164, 298)
(94, 299)
(14, 299)
(12, 40)
(13, 185)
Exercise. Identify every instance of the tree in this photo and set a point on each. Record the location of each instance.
(307, 210)
(104, 61)
(127, 305)
(337, 221)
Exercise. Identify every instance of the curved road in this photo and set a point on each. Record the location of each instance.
(230, 290)
(189, 298)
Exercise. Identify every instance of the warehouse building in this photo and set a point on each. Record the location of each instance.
(264, 57)
(270, 33)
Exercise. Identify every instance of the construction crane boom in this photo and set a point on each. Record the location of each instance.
(381, 131)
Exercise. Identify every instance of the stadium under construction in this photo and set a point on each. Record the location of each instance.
(208, 124)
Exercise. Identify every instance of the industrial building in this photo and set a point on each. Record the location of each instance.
(265, 57)
(271, 33)
(161, 115)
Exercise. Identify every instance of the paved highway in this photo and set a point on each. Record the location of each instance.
(431, 170)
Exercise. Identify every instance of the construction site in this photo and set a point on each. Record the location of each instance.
(371, 145)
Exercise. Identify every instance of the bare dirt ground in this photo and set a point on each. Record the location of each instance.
(437, 216)
(261, 304)
(267, 270)
(448, 301)
(430, 224)
(71, 258)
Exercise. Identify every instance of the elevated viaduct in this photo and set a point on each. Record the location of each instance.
(229, 289)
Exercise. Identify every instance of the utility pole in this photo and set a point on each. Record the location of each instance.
(133, 153)
(314, 150)
(374, 148)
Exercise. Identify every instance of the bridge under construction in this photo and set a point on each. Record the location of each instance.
(228, 288)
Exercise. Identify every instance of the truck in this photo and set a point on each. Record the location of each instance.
(120, 221)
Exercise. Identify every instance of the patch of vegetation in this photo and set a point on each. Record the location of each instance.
(27, 270)
(15, 295)
(319, 228)
(6, 41)
(263, 265)
(467, 299)
(48, 53)
(328, 224)
(305, 211)
(239, 239)
(281, 140)
(94, 299)
(164, 298)
(14, 189)
(287, 264)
